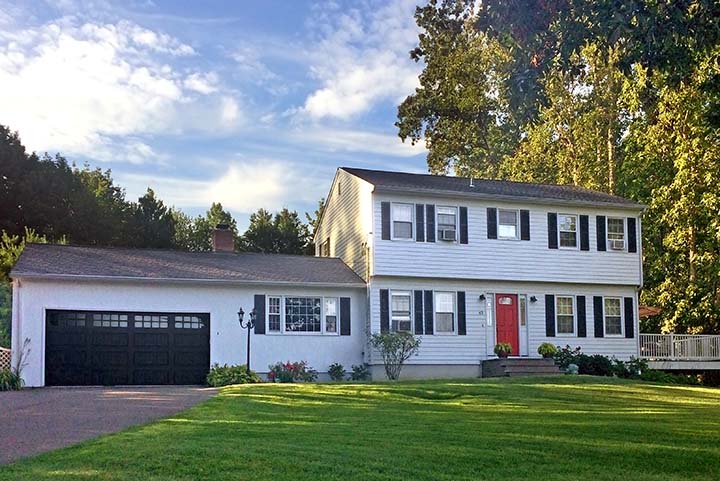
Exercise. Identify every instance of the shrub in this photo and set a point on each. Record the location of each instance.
(631, 369)
(336, 371)
(10, 380)
(292, 372)
(226, 375)
(546, 349)
(503, 348)
(395, 348)
(360, 372)
(652, 375)
(566, 355)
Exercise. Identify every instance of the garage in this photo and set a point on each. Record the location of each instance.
(86, 348)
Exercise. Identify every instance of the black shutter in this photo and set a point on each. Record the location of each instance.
(259, 314)
(525, 225)
(600, 229)
(598, 313)
(629, 318)
(549, 315)
(385, 220)
(462, 327)
(384, 310)
(430, 222)
(344, 316)
(632, 234)
(418, 305)
(428, 305)
(463, 225)
(581, 316)
(491, 223)
(420, 222)
(552, 230)
(584, 233)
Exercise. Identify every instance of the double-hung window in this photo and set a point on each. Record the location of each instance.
(303, 314)
(447, 223)
(507, 224)
(331, 315)
(274, 313)
(402, 221)
(444, 312)
(567, 228)
(616, 233)
(565, 315)
(613, 316)
(400, 311)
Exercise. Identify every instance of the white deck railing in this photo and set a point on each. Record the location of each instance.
(680, 347)
(5, 358)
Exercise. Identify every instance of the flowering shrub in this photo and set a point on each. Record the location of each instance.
(291, 372)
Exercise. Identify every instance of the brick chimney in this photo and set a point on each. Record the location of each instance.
(222, 239)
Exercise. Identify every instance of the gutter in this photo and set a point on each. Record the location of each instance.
(169, 280)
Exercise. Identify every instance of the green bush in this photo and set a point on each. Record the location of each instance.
(395, 348)
(547, 350)
(652, 375)
(226, 375)
(10, 380)
(336, 371)
(292, 372)
(360, 372)
(565, 356)
(502, 347)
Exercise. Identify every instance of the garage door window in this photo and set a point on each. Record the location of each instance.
(188, 322)
(151, 322)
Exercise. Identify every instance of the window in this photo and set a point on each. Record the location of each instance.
(567, 227)
(444, 312)
(446, 223)
(523, 310)
(616, 233)
(565, 315)
(400, 311)
(154, 322)
(507, 224)
(402, 221)
(274, 314)
(302, 314)
(184, 322)
(613, 317)
(331, 316)
(325, 248)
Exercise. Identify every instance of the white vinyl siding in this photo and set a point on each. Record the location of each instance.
(508, 224)
(444, 313)
(400, 311)
(402, 221)
(613, 316)
(568, 231)
(565, 315)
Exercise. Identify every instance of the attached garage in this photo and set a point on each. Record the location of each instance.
(129, 348)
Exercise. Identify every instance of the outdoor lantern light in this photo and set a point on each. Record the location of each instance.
(249, 325)
(533, 299)
(482, 297)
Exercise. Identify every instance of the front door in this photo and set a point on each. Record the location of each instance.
(506, 320)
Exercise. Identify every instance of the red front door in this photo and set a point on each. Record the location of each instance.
(506, 319)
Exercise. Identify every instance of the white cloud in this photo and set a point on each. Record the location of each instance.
(339, 140)
(230, 110)
(244, 187)
(83, 88)
(362, 59)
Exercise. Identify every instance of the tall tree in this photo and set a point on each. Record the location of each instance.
(283, 233)
(196, 234)
(154, 223)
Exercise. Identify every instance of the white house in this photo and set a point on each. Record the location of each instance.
(462, 263)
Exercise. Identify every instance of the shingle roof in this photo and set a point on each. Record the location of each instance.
(50, 260)
(405, 182)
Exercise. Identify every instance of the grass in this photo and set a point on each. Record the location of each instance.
(560, 428)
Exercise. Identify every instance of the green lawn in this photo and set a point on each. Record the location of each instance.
(560, 428)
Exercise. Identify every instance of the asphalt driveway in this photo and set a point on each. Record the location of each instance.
(37, 420)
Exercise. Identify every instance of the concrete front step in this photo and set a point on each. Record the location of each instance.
(509, 367)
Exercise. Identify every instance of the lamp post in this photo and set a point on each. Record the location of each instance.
(249, 324)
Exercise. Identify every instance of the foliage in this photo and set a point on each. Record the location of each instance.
(395, 348)
(226, 375)
(662, 377)
(10, 380)
(566, 355)
(291, 372)
(345, 432)
(360, 372)
(283, 233)
(336, 372)
(547, 350)
(502, 348)
(195, 234)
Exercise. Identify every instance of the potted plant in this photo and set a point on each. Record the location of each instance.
(503, 349)
(547, 350)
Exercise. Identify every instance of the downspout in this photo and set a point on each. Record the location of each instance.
(16, 333)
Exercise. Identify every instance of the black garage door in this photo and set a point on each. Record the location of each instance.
(112, 348)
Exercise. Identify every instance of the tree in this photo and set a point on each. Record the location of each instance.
(154, 223)
(313, 221)
(283, 233)
(196, 234)
(395, 348)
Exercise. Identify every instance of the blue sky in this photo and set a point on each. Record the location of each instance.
(250, 103)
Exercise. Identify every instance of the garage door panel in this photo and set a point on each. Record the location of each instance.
(111, 348)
